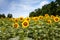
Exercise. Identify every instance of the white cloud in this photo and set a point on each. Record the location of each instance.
(43, 3)
(25, 7)
(30, 1)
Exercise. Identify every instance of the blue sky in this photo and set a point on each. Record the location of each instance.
(21, 7)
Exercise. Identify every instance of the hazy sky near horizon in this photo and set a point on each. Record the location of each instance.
(21, 7)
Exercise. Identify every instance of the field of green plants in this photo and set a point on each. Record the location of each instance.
(35, 28)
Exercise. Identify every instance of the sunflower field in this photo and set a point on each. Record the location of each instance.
(31, 28)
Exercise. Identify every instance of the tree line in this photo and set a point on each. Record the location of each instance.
(52, 8)
(4, 16)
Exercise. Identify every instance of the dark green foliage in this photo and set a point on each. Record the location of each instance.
(32, 14)
(52, 8)
(35, 13)
(9, 16)
(58, 1)
(2, 16)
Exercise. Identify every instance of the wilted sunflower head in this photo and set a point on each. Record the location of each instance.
(56, 19)
(21, 18)
(25, 24)
(15, 25)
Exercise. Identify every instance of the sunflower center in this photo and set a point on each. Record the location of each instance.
(56, 19)
(27, 19)
(16, 20)
(36, 18)
(25, 24)
(21, 18)
(40, 17)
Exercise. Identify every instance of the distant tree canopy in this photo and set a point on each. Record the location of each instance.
(52, 8)
(9, 16)
(4, 16)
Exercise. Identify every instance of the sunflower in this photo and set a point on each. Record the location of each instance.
(35, 18)
(21, 18)
(28, 19)
(25, 24)
(56, 19)
(48, 21)
(40, 17)
(52, 16)
(15, 25)
(16, 20)
(46, 15)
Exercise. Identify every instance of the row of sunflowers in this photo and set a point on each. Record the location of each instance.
(36, 28)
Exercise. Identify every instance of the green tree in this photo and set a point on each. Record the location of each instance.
(0, 15)
(38, 12)
(32, 14)
(58, 1)
(3, 15)
(9, 16)
(58, 10)
(51, 9)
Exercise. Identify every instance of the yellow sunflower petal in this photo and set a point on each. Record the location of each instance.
(25, 24)
(15, 25)
(56, 19)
